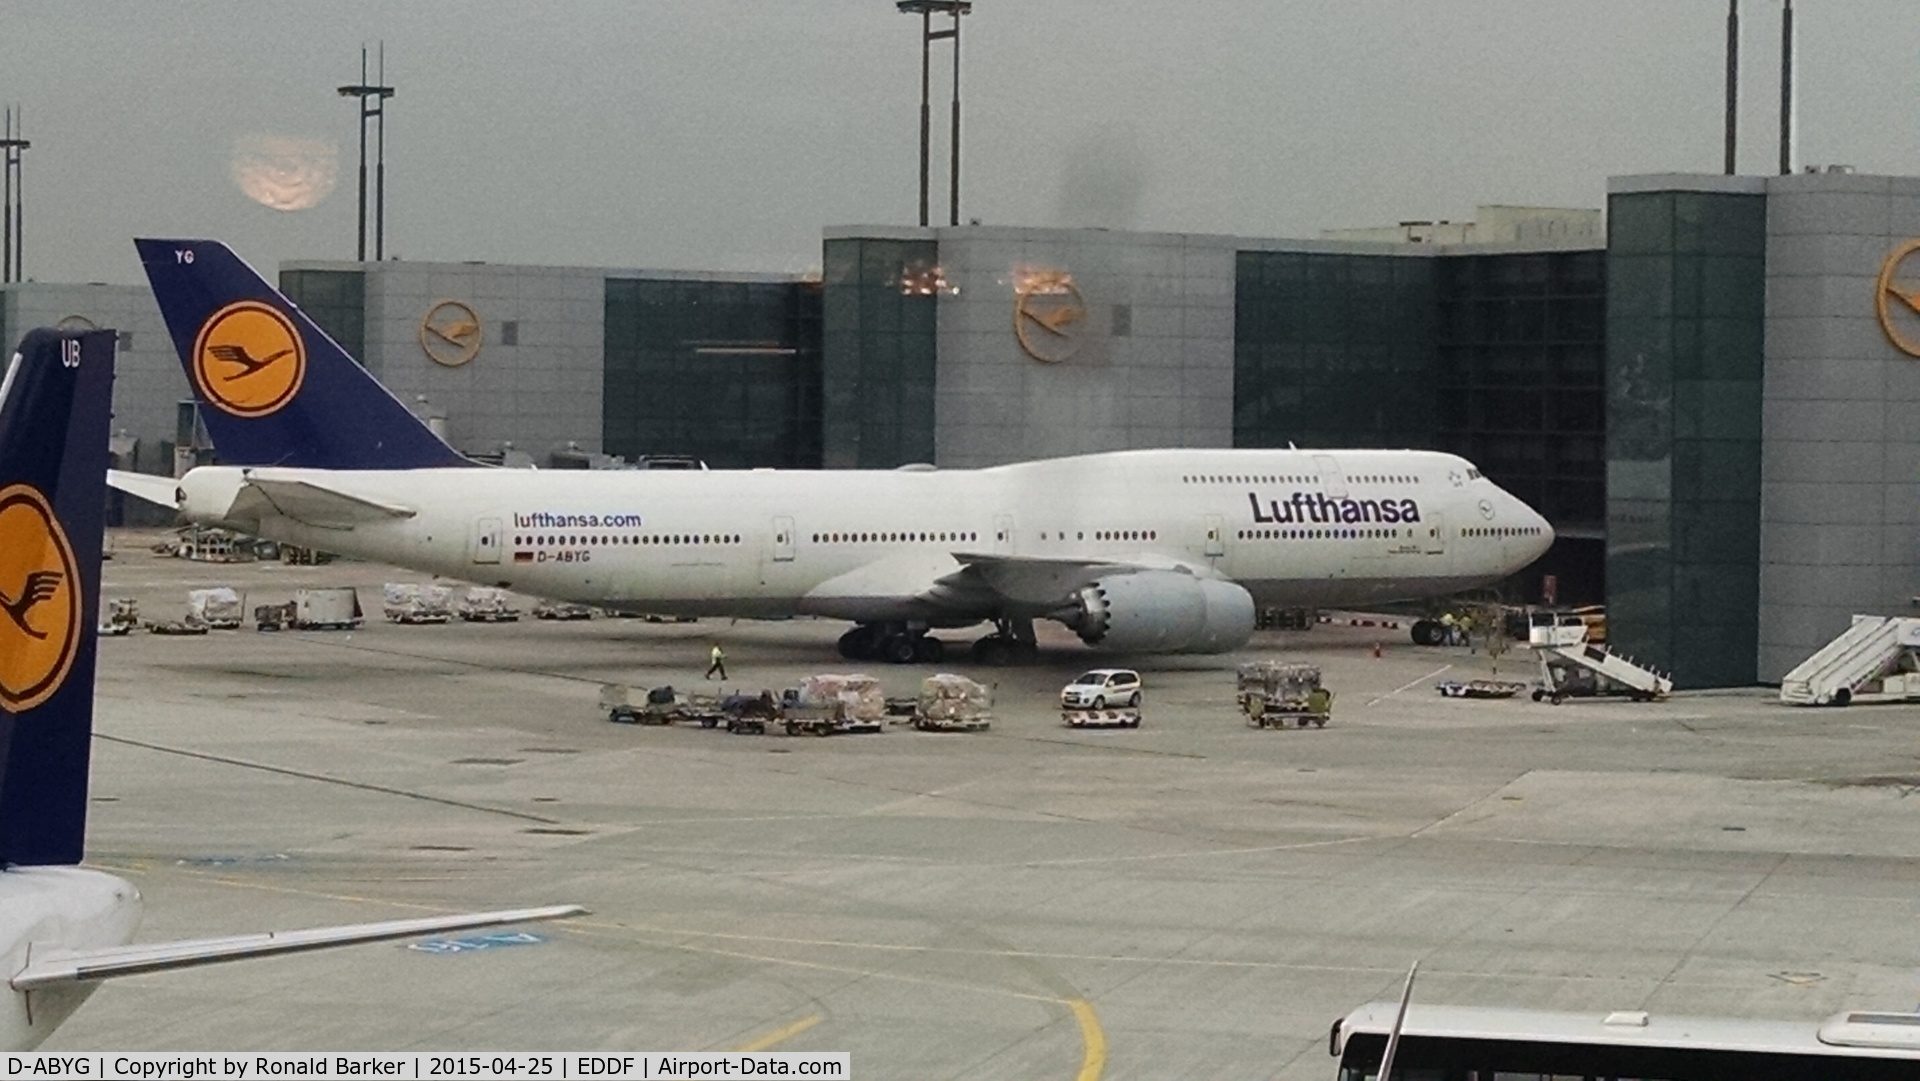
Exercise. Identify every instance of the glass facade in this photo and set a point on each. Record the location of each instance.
(336, 300)
(727, 372)
(1522, 362)
(1499, 358)
(878, 352)
(1685, 309)
(1333, 350)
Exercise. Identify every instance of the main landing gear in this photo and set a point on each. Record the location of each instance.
(1010, 643)
(895, 643)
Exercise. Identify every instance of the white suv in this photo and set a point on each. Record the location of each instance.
(1102, 688)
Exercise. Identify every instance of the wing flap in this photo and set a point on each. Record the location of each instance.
(68, 966)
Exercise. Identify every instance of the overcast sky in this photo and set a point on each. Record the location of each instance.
(707, 134)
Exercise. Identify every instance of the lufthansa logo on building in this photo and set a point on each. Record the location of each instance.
(39, 600)
(450, 333)
(1897, 303)
(1049, 316)
(248, 359)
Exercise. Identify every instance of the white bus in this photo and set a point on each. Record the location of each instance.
(1464, 1043)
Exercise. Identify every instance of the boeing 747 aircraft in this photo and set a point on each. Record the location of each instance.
(63, 929)
(1139, 551)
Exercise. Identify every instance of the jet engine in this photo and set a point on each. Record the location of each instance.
(1163, 612)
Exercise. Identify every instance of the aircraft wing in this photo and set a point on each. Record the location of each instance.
(311, 503)
(928, 585)
(68, 966)
(1047, 580)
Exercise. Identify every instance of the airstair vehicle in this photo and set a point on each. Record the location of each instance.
(1877, 659)
(1570, 666)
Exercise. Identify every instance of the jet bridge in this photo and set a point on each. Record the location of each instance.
(1877, 659)
(1570, 666)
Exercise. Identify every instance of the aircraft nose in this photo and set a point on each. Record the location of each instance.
(1542, 532)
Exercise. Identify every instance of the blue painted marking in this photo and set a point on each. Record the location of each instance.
(477, 942)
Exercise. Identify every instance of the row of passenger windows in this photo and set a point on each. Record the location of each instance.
(890, 538)
(568, 540)
(1105, 535)
(1320, 534)
(1242, 478)
(1502, 531)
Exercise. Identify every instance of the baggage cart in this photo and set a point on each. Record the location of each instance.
(1276, 694)
(1124, 717)
(952, 703)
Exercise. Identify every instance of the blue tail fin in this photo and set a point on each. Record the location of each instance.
(55, 402)
(273, 388)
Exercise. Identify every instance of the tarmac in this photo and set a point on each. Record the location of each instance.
(1194, 898)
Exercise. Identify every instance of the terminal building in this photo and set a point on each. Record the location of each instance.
(1711, 396)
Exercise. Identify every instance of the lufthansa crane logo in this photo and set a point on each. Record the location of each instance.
(39, 600)
(450, 333)
(1049, 316)
(248, 359)
(1898, 303)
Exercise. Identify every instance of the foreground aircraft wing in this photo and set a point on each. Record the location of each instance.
(68, 966)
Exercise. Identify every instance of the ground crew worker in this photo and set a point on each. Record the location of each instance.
(1449, 630)
(719, 663)
(1466, 632)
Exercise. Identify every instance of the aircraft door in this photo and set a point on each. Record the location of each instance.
(1216, 530)
(1436, 538)
(783, 541)
(485, 542)
(1003, 534)
(1331, 478)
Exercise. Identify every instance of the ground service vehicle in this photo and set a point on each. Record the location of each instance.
(1102, 688)
(1462, 1043)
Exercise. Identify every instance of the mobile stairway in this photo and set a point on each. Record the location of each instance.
(1570, 666)
(1877, 659)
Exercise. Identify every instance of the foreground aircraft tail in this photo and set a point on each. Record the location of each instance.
(273, 388)
(55, 404)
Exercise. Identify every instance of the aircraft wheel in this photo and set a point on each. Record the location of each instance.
(1025, 652)
(929, 650)
(857, 644)
(898, 649)
(991, 650)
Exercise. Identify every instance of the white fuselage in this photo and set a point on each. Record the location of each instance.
(1295, 528)
(56, 908)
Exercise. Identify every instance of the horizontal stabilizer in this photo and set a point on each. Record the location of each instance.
(312, 503)
(68, 966)
(160, 491)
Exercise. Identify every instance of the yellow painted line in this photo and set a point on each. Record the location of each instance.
(1093, 1040)
(781, 1035)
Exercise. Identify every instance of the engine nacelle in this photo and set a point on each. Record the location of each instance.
(1164, 612)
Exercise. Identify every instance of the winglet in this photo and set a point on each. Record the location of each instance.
(273, 388)
(55, 405)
